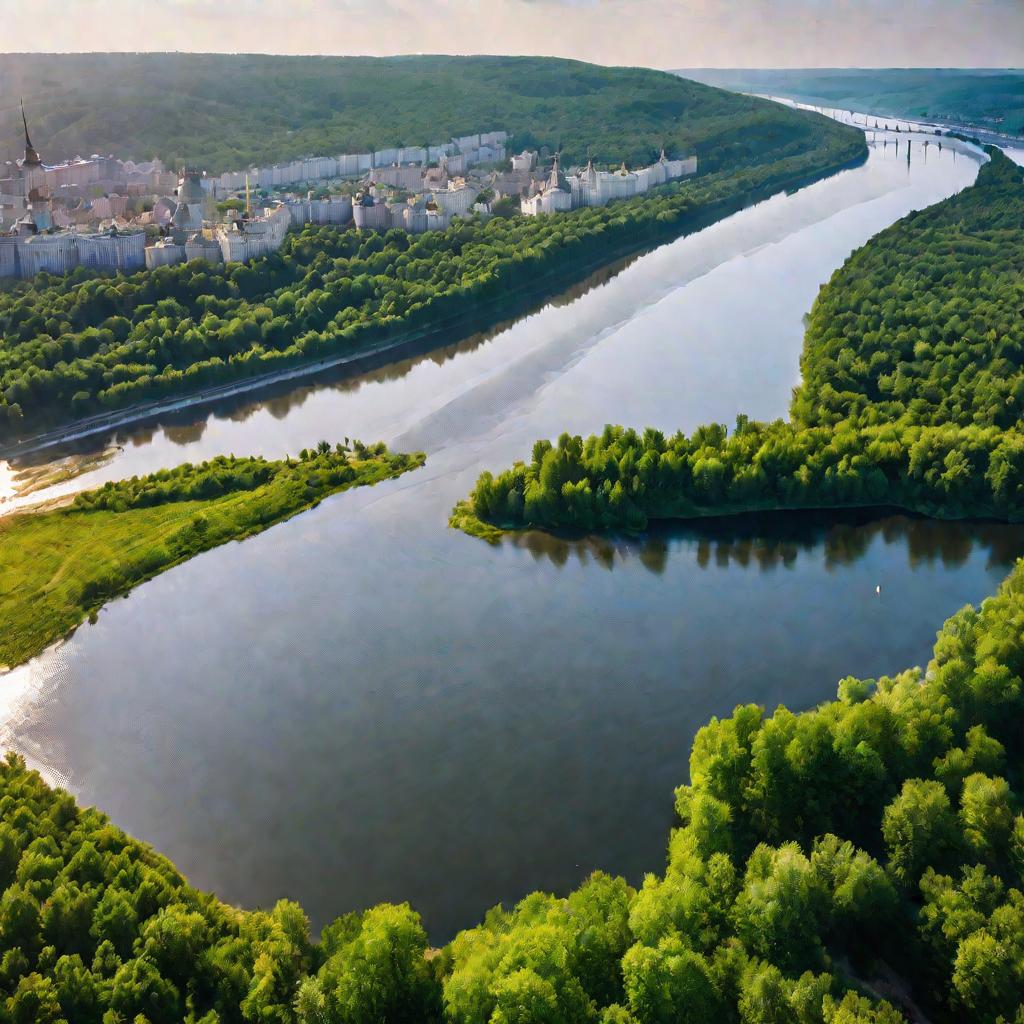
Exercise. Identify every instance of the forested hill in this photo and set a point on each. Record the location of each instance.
(225, 112)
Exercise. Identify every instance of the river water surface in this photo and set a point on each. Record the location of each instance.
(363, 705)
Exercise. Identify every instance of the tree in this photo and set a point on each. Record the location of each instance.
(379, 974)
(919, 829)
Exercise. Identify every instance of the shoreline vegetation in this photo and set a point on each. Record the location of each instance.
(913, 386)
(58, 567)
(873, 844)
(87, 346)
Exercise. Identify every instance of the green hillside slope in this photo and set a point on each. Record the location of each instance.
(225, 112)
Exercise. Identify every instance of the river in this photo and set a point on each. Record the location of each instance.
(363, 705)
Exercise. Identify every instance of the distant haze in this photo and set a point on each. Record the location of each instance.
(655, 33)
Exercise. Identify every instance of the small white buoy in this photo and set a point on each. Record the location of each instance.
(878, 588)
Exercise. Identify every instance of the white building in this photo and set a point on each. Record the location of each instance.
(249, 238)
(113, 250)
(164, 254)
(334, 210)
(405, 176)
(55, 254)
(199, 247)
(591, 187)
(370, 214)
(523, 161)
(554, 197)
(457, 199)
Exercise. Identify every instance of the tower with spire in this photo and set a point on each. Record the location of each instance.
(31, 159)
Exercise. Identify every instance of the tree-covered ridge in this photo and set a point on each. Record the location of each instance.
(57, 567)
(871, 846)
(228, 112)
(925, 323)
(85, 344)
(913, 370)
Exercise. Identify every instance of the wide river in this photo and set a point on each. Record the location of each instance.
(363, 705)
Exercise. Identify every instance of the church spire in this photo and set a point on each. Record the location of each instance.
(31, 156)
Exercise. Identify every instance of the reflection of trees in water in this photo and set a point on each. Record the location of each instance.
(769, 541)
(187, 426)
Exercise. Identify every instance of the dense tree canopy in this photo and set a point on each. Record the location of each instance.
(912, 393)
(875, 843)
(93, 343)
(225, 112)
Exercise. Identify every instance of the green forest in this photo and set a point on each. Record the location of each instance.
(913, 386)
(845, 865)
(87, 343)
(58, 566)
(227, 112)
(987, 97)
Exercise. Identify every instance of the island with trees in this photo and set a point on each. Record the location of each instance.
(100, 347)
(858, 863)
(912, 394)
(58, 566)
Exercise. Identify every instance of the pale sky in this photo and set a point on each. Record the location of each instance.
(655, 33)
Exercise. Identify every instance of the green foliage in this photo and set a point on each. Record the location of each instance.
(817, 857)
(91, 344)
(225, 112)
(380, 973)
(59, 566)
(913, 388)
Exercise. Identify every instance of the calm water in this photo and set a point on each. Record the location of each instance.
(363, 705)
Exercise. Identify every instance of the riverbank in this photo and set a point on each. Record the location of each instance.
(907, 402)
(59, 566)
(485, 311)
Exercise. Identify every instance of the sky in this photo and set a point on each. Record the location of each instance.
(653, 33)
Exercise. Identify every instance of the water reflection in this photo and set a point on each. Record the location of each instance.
(766, 541)
(186, 426)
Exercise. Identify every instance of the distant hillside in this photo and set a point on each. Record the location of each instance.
(990, 98)
(226, 112)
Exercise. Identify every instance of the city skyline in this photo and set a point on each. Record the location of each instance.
(691, 33)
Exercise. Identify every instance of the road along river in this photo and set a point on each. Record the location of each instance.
(362, 705)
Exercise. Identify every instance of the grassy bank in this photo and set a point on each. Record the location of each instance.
(58, 567)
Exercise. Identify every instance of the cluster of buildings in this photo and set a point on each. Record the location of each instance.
(462, 153)
(33, 245)
(591, 187)
(114, 215)
(191, 235)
